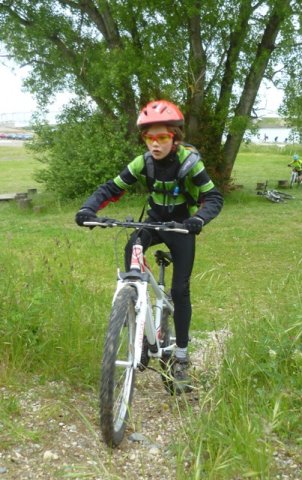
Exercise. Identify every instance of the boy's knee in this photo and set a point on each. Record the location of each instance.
(181, 290)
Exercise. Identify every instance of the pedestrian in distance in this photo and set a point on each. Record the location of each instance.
(193, 201)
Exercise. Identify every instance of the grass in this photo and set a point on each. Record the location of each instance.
(17, 166)
(56, 288)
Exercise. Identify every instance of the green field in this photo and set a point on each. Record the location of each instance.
(56, 287)
(17, 167)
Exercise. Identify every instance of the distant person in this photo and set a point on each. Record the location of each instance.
(265, 137)
(285, 140)
(276, 139)
(296, 165)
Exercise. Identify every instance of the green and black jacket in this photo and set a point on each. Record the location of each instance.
(163, 205)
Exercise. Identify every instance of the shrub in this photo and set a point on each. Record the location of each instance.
(82, 151)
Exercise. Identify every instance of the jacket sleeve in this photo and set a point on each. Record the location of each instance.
(106, 193)
(209, 198)
(113, 190)
(211, 204)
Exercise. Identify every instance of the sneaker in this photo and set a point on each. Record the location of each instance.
(182, 379)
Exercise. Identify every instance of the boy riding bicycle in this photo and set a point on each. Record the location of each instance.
(296, 165)
(180, 190)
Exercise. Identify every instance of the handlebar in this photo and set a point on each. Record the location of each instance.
(159, 226)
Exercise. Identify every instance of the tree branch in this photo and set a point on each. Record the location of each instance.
(101, 18)
(237, 39)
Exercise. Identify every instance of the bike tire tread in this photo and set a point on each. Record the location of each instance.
(124, 300)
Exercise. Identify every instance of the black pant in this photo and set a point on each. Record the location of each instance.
(182, 248)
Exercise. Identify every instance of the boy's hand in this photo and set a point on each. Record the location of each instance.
(85, 215)
(193, 225)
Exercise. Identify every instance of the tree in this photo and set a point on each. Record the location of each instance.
(292, 105)
(209, 57)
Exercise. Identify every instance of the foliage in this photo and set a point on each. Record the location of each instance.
(292, 106)
(209, 57)
(80, 154)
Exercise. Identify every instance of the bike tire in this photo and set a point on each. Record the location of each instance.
(117, 382)
(285, 196)
(274, 198)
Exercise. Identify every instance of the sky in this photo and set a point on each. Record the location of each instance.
(13, 98)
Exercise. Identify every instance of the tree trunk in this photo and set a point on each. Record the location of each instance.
(237, 38)
(250, 90)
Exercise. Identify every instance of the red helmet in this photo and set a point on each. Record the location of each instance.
(160, 111)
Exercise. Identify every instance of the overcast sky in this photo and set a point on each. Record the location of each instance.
(13, 99)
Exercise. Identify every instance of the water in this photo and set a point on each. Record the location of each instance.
(280, 135)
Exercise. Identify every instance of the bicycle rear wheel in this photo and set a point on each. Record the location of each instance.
(117, 371)
(285, 196)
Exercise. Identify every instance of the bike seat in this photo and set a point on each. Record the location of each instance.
(163, 258)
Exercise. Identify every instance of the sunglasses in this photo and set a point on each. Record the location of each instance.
(160, 138)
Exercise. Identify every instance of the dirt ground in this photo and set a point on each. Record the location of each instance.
(55, 433)
(58, 436)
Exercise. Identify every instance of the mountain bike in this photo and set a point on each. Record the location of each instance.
(274, 195)
(294, 178)
(138, 330)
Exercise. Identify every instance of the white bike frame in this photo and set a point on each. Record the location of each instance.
(147, 321)
(293, 177)
(140, 276)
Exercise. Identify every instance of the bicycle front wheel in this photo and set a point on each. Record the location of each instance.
(117, 371)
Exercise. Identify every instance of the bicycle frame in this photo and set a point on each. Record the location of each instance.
(293, 177)
(274, 195)
(147, 322)
(140, 276)
(133, 320)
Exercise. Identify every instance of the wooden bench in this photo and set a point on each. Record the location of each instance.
(24, 197)
(5, 197)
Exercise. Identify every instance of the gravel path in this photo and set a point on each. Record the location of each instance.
(57, 435)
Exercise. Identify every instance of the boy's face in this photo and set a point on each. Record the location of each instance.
(159, 141)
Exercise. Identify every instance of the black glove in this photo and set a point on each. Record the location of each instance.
(85, 215)
(193, 225)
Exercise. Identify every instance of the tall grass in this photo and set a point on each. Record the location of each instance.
(56, 285)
